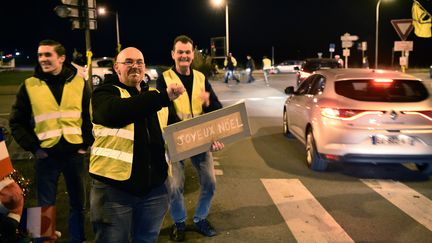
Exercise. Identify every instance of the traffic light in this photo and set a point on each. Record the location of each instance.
(79, 11)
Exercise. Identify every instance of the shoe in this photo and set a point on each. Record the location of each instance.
(178, 231)
(205, 228)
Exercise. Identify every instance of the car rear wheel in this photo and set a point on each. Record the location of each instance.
(425, 168)
(313, 158)
(96, 80)
(285, 126)
(146, 78)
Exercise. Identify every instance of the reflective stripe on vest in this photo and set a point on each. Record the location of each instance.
(183, 104)
(52, 121)
(112, 151)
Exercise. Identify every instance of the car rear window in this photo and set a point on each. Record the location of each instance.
(370, 90)
(313, 66)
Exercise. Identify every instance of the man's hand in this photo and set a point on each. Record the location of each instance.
(205, 97)
(216, 146)
(174, 91)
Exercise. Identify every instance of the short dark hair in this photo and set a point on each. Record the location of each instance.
(58, 47)
(183, 39)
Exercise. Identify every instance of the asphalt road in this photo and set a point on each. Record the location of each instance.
(265, 192)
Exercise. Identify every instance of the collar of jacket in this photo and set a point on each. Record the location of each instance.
(67, 73)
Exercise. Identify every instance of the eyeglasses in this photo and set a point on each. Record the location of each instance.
(130, 63)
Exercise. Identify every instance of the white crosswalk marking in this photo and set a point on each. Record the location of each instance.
(216, 163)
(304, 215)
(408, 200)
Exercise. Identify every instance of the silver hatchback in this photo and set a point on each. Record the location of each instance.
(361, 115)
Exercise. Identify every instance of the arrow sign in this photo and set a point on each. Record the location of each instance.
(403, 27)
(348, 37)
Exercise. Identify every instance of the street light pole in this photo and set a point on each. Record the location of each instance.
(227, 27)
(103, 11)
(376, 33)
(118, 33)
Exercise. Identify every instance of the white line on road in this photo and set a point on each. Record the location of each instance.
(408, 200)
(304, 215)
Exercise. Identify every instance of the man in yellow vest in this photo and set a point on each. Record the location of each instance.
(199, 98)
(129, 197)
(266, 69)
(51, 119)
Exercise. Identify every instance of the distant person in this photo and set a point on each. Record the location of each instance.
(266, 69)
(365, 62)
(230, 64)
(250, 67)
(340, 61)
(199, 99)
(51, 119)
(129, 195)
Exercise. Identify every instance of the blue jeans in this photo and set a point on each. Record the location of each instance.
(118, 216)
(203, 163)
(73, 168)
(230, 73)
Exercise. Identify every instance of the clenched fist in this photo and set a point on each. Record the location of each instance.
(174, 91)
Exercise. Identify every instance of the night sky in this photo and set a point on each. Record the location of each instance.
(296, 29)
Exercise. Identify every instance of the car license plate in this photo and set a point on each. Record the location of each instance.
(392, 140)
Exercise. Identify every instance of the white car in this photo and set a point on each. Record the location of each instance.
(288, 66)
(104, 65)
(361, 116)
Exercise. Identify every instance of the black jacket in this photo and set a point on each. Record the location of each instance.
(22, 122)
(187, 82)
(149, 167)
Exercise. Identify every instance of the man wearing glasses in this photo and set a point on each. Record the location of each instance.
(128, 198)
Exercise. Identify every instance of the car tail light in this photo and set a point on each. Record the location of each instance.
(382, 82)
(346, 114)
(425, 114)
(332, 157)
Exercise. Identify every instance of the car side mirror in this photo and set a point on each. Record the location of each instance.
(296, 68)
(289, 90)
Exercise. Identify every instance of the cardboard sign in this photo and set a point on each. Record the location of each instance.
(194, 136)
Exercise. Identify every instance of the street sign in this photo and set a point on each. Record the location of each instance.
(364, 46)
(403, 46)
(347, 44)
(346, 52)
(403, 27)
(332, 47)
(79, 24)
(348, 37)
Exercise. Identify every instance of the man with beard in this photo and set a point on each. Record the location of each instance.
(51, 119)
(129, 197)
(199, 98)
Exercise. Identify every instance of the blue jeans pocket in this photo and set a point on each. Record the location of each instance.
(98, 212)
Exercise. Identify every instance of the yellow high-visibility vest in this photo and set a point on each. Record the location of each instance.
(187, 108)
(112, 151)
(52, 121)
(266, 63)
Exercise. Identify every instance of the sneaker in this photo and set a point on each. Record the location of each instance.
(205, 228)
(178, 231)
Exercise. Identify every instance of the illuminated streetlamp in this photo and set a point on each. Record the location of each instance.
(102, 11)
(219, 3)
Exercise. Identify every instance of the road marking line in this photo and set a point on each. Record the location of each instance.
(406, 199)
(304, 215)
